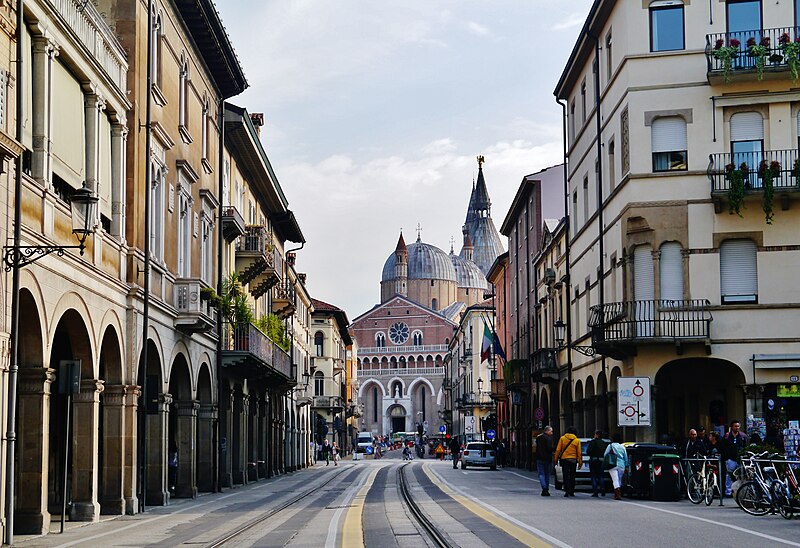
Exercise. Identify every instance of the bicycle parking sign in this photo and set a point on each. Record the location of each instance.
(633, 400)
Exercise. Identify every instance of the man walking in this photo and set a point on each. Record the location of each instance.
(568, 452)
(595, 450)
(544, 456)
(326, 452)
(455, 448)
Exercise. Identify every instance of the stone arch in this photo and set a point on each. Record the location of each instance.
(75, 322)
(180, 349)
(422, 380)
(112, 319)
(31, 339)
(181, 431)
(155, 345)
(111, 357)
(205, 384)
(30, 284)
(362, 388)
(604, 403)
(397, 381)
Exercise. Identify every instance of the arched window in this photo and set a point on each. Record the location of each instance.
(738, 271)
(156, 61)
(319, 384)
(319, 340)
(434, 305)
(380, 339)
(668, 135)
(416, 338)
(374, 404)
(671, 272)
(183, 98)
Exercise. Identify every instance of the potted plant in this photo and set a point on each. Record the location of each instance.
(791, 53)
(768, 172)
(759, 52)
(736, 181)
(726, 54)
(275, 330)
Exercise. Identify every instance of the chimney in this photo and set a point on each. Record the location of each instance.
(302, 277)
(291, 258)
(258, 120)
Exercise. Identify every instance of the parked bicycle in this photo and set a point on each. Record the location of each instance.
(764, 493)
(703, 481)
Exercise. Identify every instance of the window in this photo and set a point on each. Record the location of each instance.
(207, 244)
(183, 103)
(666, 25)
(572, 121)
(319, 384)
(319, 339)
(747, 142)
(643, 290)
(586, 199)
(380, 340)
(156, 61)
(375, 404)
(434, 305)
(583, 102)
(157, 221)
(206, 128)
(575, 212)
(610, 57)
(738, 271)
(416, 338)
(671, 272)
(185, 215)
(744, 17)
(612, 175)
(668, 135)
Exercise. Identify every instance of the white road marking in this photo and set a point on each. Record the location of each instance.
(712, 522)
(524, 477)
(515, 521)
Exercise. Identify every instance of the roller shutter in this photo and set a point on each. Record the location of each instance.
(669, 134)
(671, 272)
(738, 271)
(747, 126)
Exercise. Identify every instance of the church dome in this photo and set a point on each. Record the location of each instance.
(425, 262)
(468, 273)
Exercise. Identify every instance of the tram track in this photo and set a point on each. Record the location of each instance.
(436, 536)
(273, 512)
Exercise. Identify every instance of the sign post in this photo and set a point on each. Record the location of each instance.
(469, 425)
(633, 401)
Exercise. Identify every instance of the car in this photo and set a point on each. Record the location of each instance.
(478, 453)
(582, 475)
(363, 441)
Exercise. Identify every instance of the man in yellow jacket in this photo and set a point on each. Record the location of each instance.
(568, 451)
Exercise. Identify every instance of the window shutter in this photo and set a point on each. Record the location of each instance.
(105, 172)
(68, 136)
(669, 134)
(747, 126)
(738, 271)
(671, 272)
(643, 287)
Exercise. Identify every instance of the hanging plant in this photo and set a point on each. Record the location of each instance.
(726, 54)
(736, 178)
(768, 172)
(791, 54)
(759, 52)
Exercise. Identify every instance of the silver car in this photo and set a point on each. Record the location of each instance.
(478, 453)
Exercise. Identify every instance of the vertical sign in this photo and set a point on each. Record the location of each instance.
(633, 401)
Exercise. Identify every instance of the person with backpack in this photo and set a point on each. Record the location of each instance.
(569, 454)
(596, 450)
(615, 460)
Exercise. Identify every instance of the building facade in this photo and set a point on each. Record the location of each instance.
(682, 228)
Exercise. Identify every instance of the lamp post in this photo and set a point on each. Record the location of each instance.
(83, 210)
(559, 329)
(480, 387)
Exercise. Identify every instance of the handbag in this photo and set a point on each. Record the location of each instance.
(610, 459)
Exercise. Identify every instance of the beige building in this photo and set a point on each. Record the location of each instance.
(683, 247)
(302, 353)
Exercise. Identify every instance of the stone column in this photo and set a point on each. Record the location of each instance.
(33, 451)
(157, 428)
(252, 438)
(206, 422)
(261, 437)
(94, 106)
(186, 435)
(226, 439)
(112, 469)
(44, 51)
(130, 446)
(236, 441)
(85, 448)
(119, 139)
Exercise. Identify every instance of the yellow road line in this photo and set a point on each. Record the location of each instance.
(512, 529)
(352, 530)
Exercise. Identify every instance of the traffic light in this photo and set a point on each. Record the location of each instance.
(447, 436)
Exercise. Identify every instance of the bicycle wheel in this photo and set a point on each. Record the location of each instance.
(782, 499)
(751, 498)
(711, 484)
(694, 488)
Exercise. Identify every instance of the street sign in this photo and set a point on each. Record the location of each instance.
(490, 434)
(469, 425)
(633, 401)
(539, 414)
(442, 429)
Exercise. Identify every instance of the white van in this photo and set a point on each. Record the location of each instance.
(363, 441)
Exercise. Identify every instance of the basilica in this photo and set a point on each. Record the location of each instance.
(403, 341)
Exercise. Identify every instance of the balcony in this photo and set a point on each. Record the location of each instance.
(255, 260)
(721, 165)
(232, 223)
(471, 400)
(365, 372)
(498, 390)
(195, 315)
(334, 404)
(252, 354)
(617, 328)
(544, 365)
(422, 349)
(743, 65)
(283, 299)
(517, 375)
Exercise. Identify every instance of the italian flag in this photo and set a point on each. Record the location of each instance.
(486, 344)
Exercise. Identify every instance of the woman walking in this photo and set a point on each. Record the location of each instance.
(616, 462)
(568, 453)
(335, 454)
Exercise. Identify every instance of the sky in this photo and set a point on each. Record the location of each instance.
(376, 110)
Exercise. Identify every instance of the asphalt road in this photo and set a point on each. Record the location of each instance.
(358, 503)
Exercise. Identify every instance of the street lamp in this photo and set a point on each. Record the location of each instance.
(559, 331)
(83, 210)
(480, 387)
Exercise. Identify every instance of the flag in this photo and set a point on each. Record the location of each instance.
(498, 348)
(486, 345)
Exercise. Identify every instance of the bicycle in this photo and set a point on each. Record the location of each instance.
(702, 483)
(784, 489)
(757, 496)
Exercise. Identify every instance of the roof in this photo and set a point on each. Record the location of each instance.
(205, 26)
(410, 303)
(425, 262)
(338, 314)
(401, 243)
(468, 273)
(551, 224)
(479, 229)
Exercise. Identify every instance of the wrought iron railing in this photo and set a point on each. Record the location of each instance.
(246, 337)
(775, 59)
(469, 400)
(544, 360)
(327, 402)
(721, 167)
(230, 212)
(257, 239)
(658, 319)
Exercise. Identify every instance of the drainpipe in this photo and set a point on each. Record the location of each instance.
(568, 264)
(216, 484)
(11, 435)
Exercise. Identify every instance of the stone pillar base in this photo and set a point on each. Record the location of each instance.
(30, 523)
(226, 480)
(112, 507)
(185, 492)
(131, 506)
(158, 498)
(84, 511)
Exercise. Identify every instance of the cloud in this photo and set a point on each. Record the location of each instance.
(477, 28)
(570, 21)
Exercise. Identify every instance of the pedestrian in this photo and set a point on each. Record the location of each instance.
(693, 447)
(454, 450)
(501, 454)
(568, 454)
(702, 437)
(544, 458)
(616, 462)
(596, 450)
(172, 464)
(326, 452)
(335, 454)
(735, 442)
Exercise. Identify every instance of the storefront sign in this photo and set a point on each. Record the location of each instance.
(789, 390)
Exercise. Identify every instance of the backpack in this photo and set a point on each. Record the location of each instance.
(610, 460)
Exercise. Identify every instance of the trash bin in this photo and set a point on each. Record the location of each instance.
(666, 477)
(640, 455)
